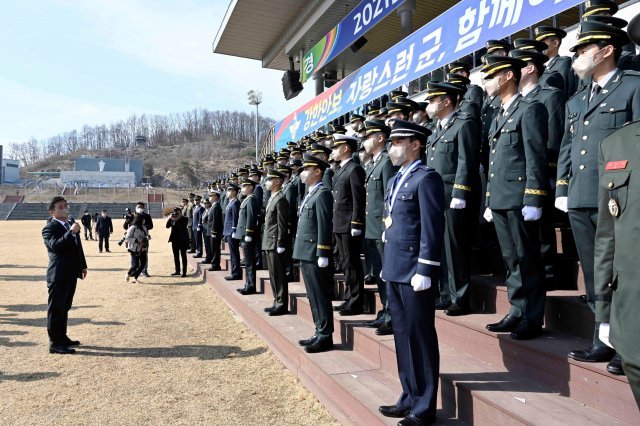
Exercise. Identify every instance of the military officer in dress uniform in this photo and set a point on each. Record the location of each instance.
(552, 99)
(349, 221)
(610, 100)
(474, 93)
(245, 233)
(313, 249)
(414, 227)
(552, 37)
(196, 225)
(256, 176)
(323, 153)
(215, 223)
(275, 241)
(377, 176)
(465, 103)
(453, 151)
(548, 79)
(189, 215)
(230, 225)
(516, 190)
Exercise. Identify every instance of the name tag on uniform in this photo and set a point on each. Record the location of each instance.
(616, 165)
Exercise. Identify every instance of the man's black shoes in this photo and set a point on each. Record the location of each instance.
(413, 420)
(176, 273)
(278, 312)
(593, 354)
(615, 366)
(61, 349)
(385, 329)
(393, 411)
(232, 278)
(309, 341)
(526, 330)
(505, 325)
(320, 345)
(248, 290)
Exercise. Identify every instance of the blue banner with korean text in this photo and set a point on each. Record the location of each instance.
(461, 30)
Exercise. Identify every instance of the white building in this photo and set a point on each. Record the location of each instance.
(10, 172)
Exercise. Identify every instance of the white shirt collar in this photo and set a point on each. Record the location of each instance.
(445, 120)
(530, 89)
(377, 156)
(507, 104)
(605, 78)
(61, 222)
(343, 162)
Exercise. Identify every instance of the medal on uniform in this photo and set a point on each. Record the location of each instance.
(388, 222)
(614, 209)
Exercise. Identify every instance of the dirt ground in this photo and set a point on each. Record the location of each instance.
(165, 351)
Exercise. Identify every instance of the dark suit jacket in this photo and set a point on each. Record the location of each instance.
(179, 233)
(348, 198)
(66, 257)
(276, 227)
(104, 226)
(215, 216)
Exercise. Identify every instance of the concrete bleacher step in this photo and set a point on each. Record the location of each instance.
(5, 210)
(473, 389)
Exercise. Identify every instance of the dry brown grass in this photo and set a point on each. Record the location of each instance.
(166, 351)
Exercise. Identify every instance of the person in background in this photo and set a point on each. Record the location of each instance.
(86, 224)
(137, 240)
(148, 223)
(215, 222)
(104, 228)
(206, 231)
(66, 264)
(196, 226)
(230, 223)
(189, 215)
(128, 218)
(179, 239)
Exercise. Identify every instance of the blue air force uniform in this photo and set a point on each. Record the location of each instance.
(230, 222)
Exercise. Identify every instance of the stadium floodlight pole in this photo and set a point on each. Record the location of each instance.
(255, 98)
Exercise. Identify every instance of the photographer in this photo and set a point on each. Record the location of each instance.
(179, 239)
(148, 223)
(137, 243)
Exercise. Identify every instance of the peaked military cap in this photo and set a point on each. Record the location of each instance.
(275, 174)
(376, 126)
(395, 94)
(233, 187)
(594, 32)
(350, 141)
(604, 19)
(296, 150)
(372, 109)
(422, 106)
(544, 31)
(493, 45)
(356, 117)
(439, 89)
(198, 197)
(633, 30)
(255, 172)
(247, 182)
(457, 66)
(316, 148)
(338, 128)
(529, 56)
(284, 169)
(283, 155)
(529, 44)
(393, 107)
(291, 144)
(407, 129)
(311, 161)
(495, 63)
(296, 163)
(242, 170)
(457, 78)
(597, 7)
(192, 195)
(214, 192)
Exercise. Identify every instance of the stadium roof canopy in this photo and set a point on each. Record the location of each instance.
(272, 31)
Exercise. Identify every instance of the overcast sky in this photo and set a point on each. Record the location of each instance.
(66, 63)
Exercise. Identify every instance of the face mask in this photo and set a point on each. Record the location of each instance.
(398, 155)
(268, 185)
(368, 145)
(139, 210)
(228, 194)
(304, 176)
(432, 110)
(243, 191)
(417, 117)
(362, 156)
(103, 214)
(584, 65)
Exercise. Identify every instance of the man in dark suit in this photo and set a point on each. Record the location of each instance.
(196, 225)
(230, 224)
(148, 223)
(516, 190)
(86, 224)
(245, 233)
(313, 249)
(215, 223)
(104, 228)
(414, 226)
(377, 176)
(453, 152)
(66, 265)
(275, 242)
(611, 99)
(348, 221)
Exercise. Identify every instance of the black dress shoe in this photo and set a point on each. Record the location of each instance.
(615, 366)
(176, 273)
(413, 420)
(346, 312)
(61, 349)
(184, 275)
(593, 354)
(231, 278)
(340, 306)
(374, 324)
(455, 310)
(393, 411)
(309, 341)
(526, 330)
(269, 309)
(247, 291)
(70, 342)
(320, 345)
(369, 279)
(505, 325)
(385, 329)
(441, 306)
(278, 312)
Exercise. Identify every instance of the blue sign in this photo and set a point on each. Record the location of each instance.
(459, 31)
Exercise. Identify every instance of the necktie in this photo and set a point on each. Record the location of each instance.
(595, 91)
(500, 113)
(66, 225)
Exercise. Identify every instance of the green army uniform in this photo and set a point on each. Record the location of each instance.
(453, 151)
(617, 293)
(557, 64)
(275, 235)
(192, 241)
(247, 227)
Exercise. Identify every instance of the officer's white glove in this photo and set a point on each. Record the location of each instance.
(323, 262)
(603, 334)
(198, 229)
(531, 213)
(420, 282)
(280, 250)
(355, 232)
(458, 203)
(488, 216)
(384, 237)
(561, 204)
(248, 239)
(233, 235)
